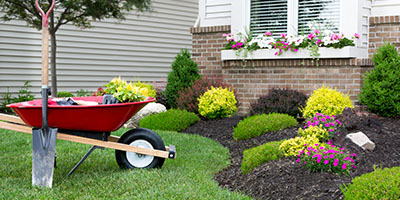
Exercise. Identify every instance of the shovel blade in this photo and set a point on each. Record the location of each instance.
(44, 150)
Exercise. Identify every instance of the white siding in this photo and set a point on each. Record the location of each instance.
(215, 12)
(139, 48)
(385, 7)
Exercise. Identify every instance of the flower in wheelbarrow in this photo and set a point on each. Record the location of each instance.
(144, 92)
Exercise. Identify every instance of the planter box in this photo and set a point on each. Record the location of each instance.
(266, 54)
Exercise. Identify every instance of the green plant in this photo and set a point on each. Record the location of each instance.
(125, 92)
(326, 101)
(99, 92)
(149, 87)
(171, 120)
(279, 101)
(256, 156)
(23, 95)
(292, 147)
(326, 158)
(259, 124)
(314, 131)
(184, 72)
(217, 103)
(379, 184)
(65, 94)
(326, 122)
(83, 93)
(381, 89)
(6, 98)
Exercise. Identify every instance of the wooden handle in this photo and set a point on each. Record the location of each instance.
(45, 56)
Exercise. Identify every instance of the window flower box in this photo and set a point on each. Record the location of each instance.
(266, 54)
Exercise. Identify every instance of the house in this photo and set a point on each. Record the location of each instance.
(375, 20)
(139, 48)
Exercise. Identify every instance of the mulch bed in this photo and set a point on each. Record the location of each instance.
(285, 179)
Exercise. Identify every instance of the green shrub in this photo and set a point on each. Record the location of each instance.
(23, 95)
(184, 73)
(149, 87)
(314, 131)
(293, 146)
(171, 120)
(217, 103)
(259, 124)
(326, 101)
(256, 156)
(65, 94)
(381, 90)
(83, 93)
(279, 101)
(380, 184)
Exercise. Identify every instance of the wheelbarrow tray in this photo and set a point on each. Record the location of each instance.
(96, 118)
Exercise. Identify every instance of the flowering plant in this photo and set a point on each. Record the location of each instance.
(327, 122)
(327, 158)
(125, 92)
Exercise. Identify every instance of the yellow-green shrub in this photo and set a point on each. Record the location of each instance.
(327, 101)
(151, 92)
(293, 146)
(314, 131)
(217, 103)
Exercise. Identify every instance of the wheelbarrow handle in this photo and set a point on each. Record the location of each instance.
(45, 16)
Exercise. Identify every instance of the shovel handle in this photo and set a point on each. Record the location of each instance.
(45, 42)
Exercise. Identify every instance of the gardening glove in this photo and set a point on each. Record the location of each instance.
(109, 99)
(66, 102)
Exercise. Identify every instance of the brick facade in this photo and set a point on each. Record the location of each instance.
(260, 76)
(383, 29)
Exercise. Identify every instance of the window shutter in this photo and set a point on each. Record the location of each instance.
(268, 15)
(317, 13)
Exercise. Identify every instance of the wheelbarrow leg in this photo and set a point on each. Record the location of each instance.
(84, 158)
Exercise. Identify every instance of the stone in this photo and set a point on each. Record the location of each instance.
(361, 140)
(150, 108)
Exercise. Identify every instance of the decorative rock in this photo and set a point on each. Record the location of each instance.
(149, 109)
(361, 140)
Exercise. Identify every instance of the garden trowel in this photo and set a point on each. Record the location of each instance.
(44, 139)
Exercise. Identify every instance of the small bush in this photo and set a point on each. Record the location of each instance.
(314, 131)
(161, 98)
(65, 94)
(23, 95)
(279, 101)
(172, 120)
(188, 97)
(381, 90)
(184, 72)
(83, 93)
(379, 184)
(293, 146)
(217, 103)
(151, 92)
(327, 101)
(256, 156)
(259, 124)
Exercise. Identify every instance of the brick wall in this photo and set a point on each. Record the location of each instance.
(260, 76)
(383, 29)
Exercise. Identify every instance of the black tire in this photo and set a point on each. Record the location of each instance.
(124, 159)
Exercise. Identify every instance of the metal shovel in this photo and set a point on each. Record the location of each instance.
(44, 139)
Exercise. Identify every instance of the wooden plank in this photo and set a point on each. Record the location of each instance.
(113, 138)
(99, 143)
(11, 118)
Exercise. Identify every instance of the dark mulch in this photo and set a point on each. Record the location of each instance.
(285, 179)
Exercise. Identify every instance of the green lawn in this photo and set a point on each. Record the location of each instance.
(190, 176)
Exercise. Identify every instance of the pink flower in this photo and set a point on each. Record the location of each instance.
(331, 156)
(224, 35)
(283, 35)
(326, 125)
(318, 42)
(339, 122)
(335, 163)
(297, 160)
(316, 32)
(354, 154)
(328, 117)
(295, 50)
(316, 145)
(321, 148)
(268, 33)
(344, 166)
(334, 37)
(353, 166)
(318, 160)
(329, 142)
(305, 163)
(233, 46)
(323, 120)
(330, 130)
(356, 35)
(326, 162)
(276, 53)
(311, 36)
(326, 157)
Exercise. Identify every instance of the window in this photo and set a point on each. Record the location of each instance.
(293, 16)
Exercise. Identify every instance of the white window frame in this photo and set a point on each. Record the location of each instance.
(350, 17)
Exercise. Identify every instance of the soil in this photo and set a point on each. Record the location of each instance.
(285, 179)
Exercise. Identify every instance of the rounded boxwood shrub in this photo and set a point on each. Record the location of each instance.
(279, 101)
(327, 101)
(217, 103)
(380, 184)
(256, 156)
(171, 120)
(65, 94)
(259, 124)
(381, 90)
(293, 146)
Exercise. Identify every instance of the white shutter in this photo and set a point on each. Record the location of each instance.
(325, 13)
(268, 15)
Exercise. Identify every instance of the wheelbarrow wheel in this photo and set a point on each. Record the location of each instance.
(140, 137)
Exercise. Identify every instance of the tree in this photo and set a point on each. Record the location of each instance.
(76, 12)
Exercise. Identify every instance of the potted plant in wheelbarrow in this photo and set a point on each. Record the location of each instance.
(90, 120)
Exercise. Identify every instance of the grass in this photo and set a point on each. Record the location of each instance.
(190, 176)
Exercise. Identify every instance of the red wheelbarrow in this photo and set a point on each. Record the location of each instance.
(92, 124)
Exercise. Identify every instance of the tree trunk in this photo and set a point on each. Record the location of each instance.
(53, 57)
